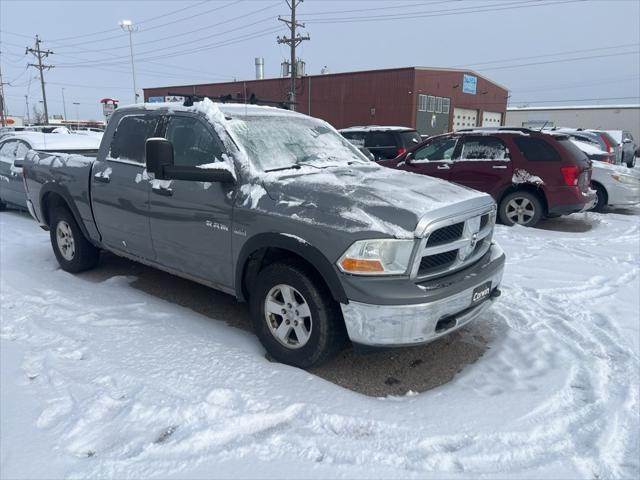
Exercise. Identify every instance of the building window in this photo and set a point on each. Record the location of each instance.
(446, 104)
(439, 105)
(422, 103)
(432, 104)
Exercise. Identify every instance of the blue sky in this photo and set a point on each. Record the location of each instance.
(545, 52)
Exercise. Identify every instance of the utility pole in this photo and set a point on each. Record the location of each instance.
(127, 26)
(40, 54)
(293, 41)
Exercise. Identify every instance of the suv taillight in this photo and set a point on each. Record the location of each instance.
(400, 151)
(570, 175)
(609, 146)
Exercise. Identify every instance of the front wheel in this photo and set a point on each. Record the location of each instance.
(294, 316)
(522, 208)
(73, 251)
(601, 198)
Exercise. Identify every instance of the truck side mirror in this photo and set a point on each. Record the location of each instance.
(158, 154)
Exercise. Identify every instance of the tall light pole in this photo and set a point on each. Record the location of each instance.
(127, 26)
(77, 116)
(64, 106)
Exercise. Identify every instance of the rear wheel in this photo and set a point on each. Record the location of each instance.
(522, 208)
(631, 162)
(73, 251)
(3, 206)
(294, 316)
(601, 198)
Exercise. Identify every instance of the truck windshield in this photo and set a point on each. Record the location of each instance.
(280, 142)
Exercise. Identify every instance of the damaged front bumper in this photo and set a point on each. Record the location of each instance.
(416, 323)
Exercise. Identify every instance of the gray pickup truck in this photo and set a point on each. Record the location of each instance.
(280, 210)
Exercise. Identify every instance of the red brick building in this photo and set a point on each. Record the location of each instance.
(432, 100)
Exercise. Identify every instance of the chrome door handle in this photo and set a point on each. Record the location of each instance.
(444, 167)
(499, 166)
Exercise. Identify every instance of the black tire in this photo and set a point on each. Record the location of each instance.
(80, 255)
(326, 331)
(601, 198)
(631, 162)
(3, 206)
(532, 207)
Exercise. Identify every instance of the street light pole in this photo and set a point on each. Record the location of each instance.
(77, 116)
(64, 106)
(127, 25)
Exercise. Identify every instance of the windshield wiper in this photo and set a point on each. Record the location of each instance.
(295, 166)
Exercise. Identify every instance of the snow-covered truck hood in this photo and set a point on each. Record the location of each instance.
(367, 197)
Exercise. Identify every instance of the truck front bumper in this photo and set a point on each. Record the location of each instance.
(416, 323)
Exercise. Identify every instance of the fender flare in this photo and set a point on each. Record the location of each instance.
(305, 250)
(54, 188)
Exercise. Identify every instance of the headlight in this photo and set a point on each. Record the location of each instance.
(627, 179)
(377, 257)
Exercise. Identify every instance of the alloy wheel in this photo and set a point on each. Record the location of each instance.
(288, 316)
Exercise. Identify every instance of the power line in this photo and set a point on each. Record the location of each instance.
(574, 59)
(440, 13)
(554, 54)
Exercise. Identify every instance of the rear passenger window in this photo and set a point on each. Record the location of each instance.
(193, 143)
(382, 139)
(131, 135)
(356, 138)
(484, 148)
(536, 149)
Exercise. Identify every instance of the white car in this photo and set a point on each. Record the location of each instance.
(15, 145)
(615, 185)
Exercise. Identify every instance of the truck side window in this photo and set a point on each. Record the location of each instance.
(8, 149)
(193, 143)
(131, 135)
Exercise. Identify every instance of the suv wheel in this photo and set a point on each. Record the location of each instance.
(601, 198)
(522, 208)
(3, 206)
(632, 162)
(73, 251)
(294, 316)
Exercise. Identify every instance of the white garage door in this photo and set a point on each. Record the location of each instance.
(491, 119)
(464, 118)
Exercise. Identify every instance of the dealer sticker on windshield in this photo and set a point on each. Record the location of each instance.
(481, 293)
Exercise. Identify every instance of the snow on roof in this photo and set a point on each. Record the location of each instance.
(492, 131)
(57, 141)
(573, 107)
(374, 128)
(229, 109)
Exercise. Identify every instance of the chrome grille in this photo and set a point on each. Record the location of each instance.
(452, 244)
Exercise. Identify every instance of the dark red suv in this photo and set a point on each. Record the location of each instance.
(530, 174)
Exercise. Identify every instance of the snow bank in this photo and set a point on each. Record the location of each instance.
(143, 387)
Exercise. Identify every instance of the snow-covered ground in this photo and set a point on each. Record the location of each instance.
(100, 379)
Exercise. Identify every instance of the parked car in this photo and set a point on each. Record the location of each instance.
(596, 139)
(611, 145)
(383, 142)
(615, 185)
(280, 210)
(530, 174)
(627, 145)
(14, 147)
